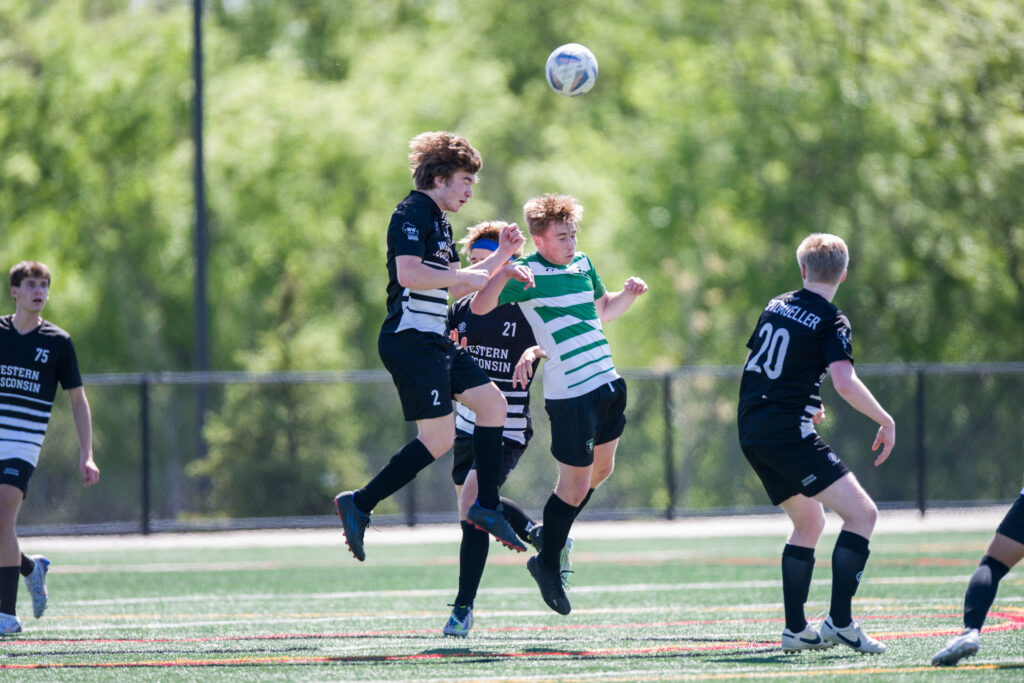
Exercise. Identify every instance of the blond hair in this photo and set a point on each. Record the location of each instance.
(541, 212)
(488, 230)
(440, 154)
(825, 257)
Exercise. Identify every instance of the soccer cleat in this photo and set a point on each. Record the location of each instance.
(808, 639)
(9, 623)
(36, 585)
(494, 523)
(964, 645)
(536, 538)
(550, 583)
(353, 522)
(851, 636)
(460, 622)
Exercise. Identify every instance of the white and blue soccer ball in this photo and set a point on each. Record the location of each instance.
(571, 70)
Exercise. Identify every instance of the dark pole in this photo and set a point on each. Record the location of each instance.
(144, 473)
(921, 456)
(202, 333)
(670, 465)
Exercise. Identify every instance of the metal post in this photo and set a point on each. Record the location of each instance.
(144, 465)
(670, 466)
(921, 455)
(202, 358)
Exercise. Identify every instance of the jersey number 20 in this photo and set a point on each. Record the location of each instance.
(773, 348)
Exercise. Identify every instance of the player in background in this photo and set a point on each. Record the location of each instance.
(1003, 553)
(428, 369)
(799, 338)
(35, 356)
(503, 345)
(585, 398)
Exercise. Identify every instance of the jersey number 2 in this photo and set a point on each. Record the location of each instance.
(773, 348)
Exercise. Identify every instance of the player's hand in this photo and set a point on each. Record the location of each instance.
(454, 336)
(635, 286)
(90, 473)
(474, 279)
(523, 371)
(819, 417)
(885, 437)
(510, 239)
(521, 273)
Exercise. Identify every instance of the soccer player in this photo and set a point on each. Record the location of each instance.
(35, 356)
(427, 367)
(799, 338)
(1004, 552)
(585, 397)
(503, 344)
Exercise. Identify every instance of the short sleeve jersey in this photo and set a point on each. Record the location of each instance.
(496, 340)
(31, 367)
(560, 309)
(418, 228)
(798, 335)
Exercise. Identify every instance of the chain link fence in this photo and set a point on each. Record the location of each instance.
(275, 448)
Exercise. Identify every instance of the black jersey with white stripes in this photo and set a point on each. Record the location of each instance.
(418, 228)
(32, 365)
(496, 340)
(796, 338)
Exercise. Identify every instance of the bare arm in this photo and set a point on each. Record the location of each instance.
(414, 274)
(524, 368)
(486, 300)
(854, 392)
(611, 306)
(83, 425)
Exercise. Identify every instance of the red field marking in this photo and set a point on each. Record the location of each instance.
(1011, 621)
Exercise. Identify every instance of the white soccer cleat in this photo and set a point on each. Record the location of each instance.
(964, 645)
(9, 623)
(808, 639)
(851, 636)
(36, 585)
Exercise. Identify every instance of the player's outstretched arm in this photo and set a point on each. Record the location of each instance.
(612, 305)
(414, 274)
(510, 240)
(854, 392)
(486, 300)
(83, 425)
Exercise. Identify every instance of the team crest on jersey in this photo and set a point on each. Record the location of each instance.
(844, 337)
(444, 252)
(411, 232)
(462, 327)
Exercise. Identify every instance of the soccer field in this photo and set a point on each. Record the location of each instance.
(693, 600)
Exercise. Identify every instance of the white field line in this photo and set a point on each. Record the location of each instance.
(981, 519)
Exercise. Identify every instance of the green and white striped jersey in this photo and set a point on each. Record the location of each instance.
(560, 309)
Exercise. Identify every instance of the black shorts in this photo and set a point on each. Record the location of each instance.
(578, 424)
(16, 472)
(1012, 525)
(462, 457)
(428, 370)
(808, 467)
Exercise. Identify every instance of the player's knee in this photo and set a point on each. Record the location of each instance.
(493, 412)
(438, 444)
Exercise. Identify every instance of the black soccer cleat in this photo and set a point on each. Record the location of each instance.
(550, 583)
(353, 522)
(494, 523)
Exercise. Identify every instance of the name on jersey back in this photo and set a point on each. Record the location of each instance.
(794, 313)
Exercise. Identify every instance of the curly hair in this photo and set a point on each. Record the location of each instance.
(488, 230)
(541, 212)
(440, 154)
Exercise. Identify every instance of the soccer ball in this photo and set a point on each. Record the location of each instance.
(571, 70)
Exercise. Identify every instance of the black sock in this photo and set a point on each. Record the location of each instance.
(517, 518)
(488, 452)
(848, 560)
(400, 470)
(981, 591)
(558, 519)
(586, 499)
(9, 589)
(472, 558)
(28, 565)
(797, 567)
